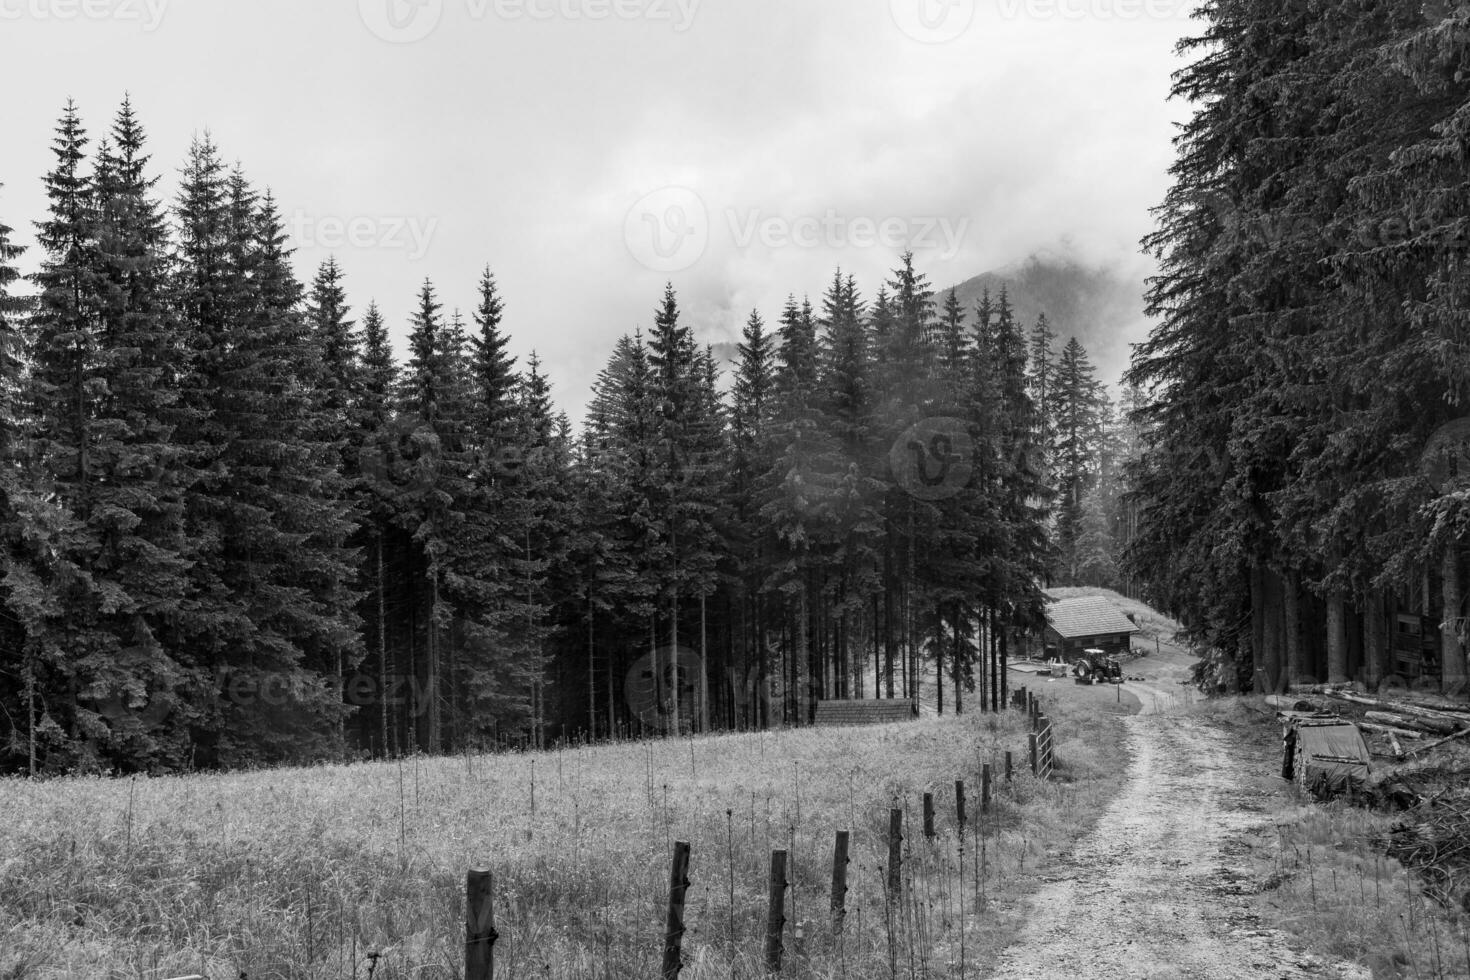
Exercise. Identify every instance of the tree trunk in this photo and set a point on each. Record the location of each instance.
(412, 732)
(1375, 645)
(703, 667)
(939, 654)
(674, 663)
(1003, 667)
(591, 671)
(903, 626)
(1296, 669)
(890, 654)
(674, 627)
(956, 662)
(803, 641)
(982, 678)
(912, 609)
(763, 653)
(382, 658)
(658, 670)
(431, 687)
(1274, 631)
(1260, 682)
(612, 715)
(1452, 658)
(994, 645)
(1337, 644)
(30, 671)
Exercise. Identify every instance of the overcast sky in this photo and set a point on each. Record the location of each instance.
(590, 150)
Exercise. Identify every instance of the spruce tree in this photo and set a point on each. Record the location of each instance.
(274, 611)
(338, 379)
(847, 384)
(752, 410)
(1077, 447)
(689, 436)
(65, 327)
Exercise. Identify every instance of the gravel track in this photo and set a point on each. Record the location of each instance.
(1150, 892)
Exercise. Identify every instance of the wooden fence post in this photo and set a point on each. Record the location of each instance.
(674, 924)
(840, 862)
(928, 816)
(776, 913)
(480, 934)
(895, 854)
(959, 807)
(1009, 767)
(1031, 743)
(985, 788)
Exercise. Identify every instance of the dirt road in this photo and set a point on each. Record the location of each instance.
(1148, 894)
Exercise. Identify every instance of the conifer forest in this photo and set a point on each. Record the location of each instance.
(240, 526)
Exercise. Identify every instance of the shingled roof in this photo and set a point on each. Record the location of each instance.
(1087, 616)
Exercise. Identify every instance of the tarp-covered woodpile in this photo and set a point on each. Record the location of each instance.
(1324, 754)
(1423, 742)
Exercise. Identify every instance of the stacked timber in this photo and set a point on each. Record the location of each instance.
(1409, 718)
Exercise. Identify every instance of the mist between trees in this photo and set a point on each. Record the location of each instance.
(239, 531)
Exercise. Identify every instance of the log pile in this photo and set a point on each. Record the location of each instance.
(1431, 789)
(1411, 719)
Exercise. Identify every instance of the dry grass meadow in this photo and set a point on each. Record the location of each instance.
(358, 871)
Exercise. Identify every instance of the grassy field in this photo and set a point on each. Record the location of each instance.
(358, 871)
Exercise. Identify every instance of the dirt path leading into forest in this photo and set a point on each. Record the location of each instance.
(1151, 892)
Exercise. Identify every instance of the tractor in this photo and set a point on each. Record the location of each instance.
(1096, 667)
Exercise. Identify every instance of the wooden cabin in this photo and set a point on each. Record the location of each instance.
(1088, 622)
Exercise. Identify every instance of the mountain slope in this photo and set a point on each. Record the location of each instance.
(1102, 307)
